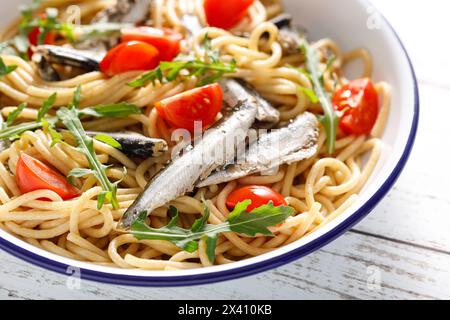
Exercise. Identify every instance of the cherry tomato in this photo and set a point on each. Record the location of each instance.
(358, 100)
(199, 104)
(34, 175)
(33, 36)
(226, 14)
(130, 56)
(259, 195)
(165, 40)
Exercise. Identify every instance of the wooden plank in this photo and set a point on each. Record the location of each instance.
(342, 270)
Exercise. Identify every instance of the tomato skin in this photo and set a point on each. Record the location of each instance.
(130, 56)
(199, 104)
(166, 41)
(34, 175)
(33, 36)
(259, 195)
(358, 100)
(226, 14)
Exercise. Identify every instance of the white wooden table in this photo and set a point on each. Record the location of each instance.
(405, 242)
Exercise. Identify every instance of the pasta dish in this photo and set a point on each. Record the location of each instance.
(178, 134)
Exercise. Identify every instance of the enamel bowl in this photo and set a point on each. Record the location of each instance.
(322, 18)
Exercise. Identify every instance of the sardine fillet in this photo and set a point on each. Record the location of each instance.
(296, 142)
(182, 174)
(234, 90)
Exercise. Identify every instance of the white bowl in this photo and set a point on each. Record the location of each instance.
(353, 24)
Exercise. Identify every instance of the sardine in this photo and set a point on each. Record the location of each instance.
(4, 143)
(289, 37)
(234, 90)
(134, 144)
(283, 20)
(83, 59)
(182, 174)
(125, 11)
(48, 55)
(46, 71)
(295, 142)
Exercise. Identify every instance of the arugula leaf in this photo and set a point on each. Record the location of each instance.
(240, 221)
(16, 46)
(46, 106)
(75, 103)
(185, 239)
(108, 140)
(328, 67)
(80, 172)
(330, 118)
(150, 76)
(70, 119)
(257, 221)
(309, 93)
(13, 115)
(211, 244)
(4, 69)
(46, 24)
(55, 135)
(19, 44)
(207, 72)
(14, 132)
(27, 11)
(116, 110)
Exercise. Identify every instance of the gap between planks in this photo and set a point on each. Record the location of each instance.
(341, 270)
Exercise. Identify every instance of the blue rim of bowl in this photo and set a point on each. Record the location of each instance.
(218, 276)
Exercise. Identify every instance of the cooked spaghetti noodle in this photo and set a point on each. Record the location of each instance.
(319, 188)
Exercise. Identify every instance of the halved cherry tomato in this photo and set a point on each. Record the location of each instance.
(259, 195)
(199, 104)
(166, 41)
(358, 100)
(34, 175)
(226, 14)
(129, 56)
(33, 36)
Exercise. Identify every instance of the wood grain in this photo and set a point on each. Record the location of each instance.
(404, 243)
(342, 270)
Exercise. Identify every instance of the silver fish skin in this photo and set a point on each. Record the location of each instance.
(234, 90)
(134, 144)
(125, 11)
(295, 142)
(48, 55)
(182, 174)
(290, 37)
(4, 144)
(83, 59)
